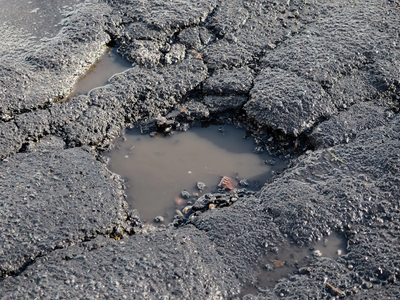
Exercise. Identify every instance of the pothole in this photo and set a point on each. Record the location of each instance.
(110, 63)
(166, 173)
(281, 261)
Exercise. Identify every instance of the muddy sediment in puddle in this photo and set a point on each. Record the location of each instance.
(158, 169)
(281, 261)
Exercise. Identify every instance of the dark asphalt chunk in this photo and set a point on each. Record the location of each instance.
(342, 56)
(53, 198)
(163, 265)
(345, 126)
(35, 73)
(285, 102)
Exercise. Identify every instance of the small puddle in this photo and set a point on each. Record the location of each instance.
(110, 63)
(158, 169)
(277, 265)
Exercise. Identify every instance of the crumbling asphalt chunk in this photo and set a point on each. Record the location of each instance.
(278, 94)
(164, 265)
(190, 37)
(218, 104)
(316, 60)
(344, 127)
(142, 30)
(229, 82)
(31, 78)
(53, 198)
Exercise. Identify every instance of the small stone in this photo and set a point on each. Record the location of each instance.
(185, 194)
(202, 202)
(317, 253)
(186, 209)
(159, 219)
(212, 206)
(350, 267)
(367, 285)
(71, 279)
(339, 252)
(271, 46)
(201, 185)
(268, 267)
(244, 182)
(278, 263)
(227, 183)
(179, 213)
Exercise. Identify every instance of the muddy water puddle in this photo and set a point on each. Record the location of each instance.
(158, 169)
(281, 261)
(36, 17)
(110, 63)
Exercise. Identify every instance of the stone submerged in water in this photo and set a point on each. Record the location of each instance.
(185, 194)
(159, 219)
(228, 183)
(201, 185)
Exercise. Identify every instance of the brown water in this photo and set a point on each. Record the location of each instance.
(158, 169)
(36, 17)
(289, 258)
(110, 63)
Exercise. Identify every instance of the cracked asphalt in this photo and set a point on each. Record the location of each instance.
(316, 82)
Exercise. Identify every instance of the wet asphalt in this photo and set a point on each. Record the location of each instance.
(318, 83)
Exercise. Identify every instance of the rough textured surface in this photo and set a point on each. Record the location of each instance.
(344, 127)
(52, 198)
(318, 82)
(156, 266)
(299, 101)
(35, 73)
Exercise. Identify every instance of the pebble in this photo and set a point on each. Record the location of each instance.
(202, 202)
(201, 185)
(179, 213)
(185, 194)
(159, 219)
(317, 253)
(244, 182)
(186, 209)
(268, 267)
(212, 206)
